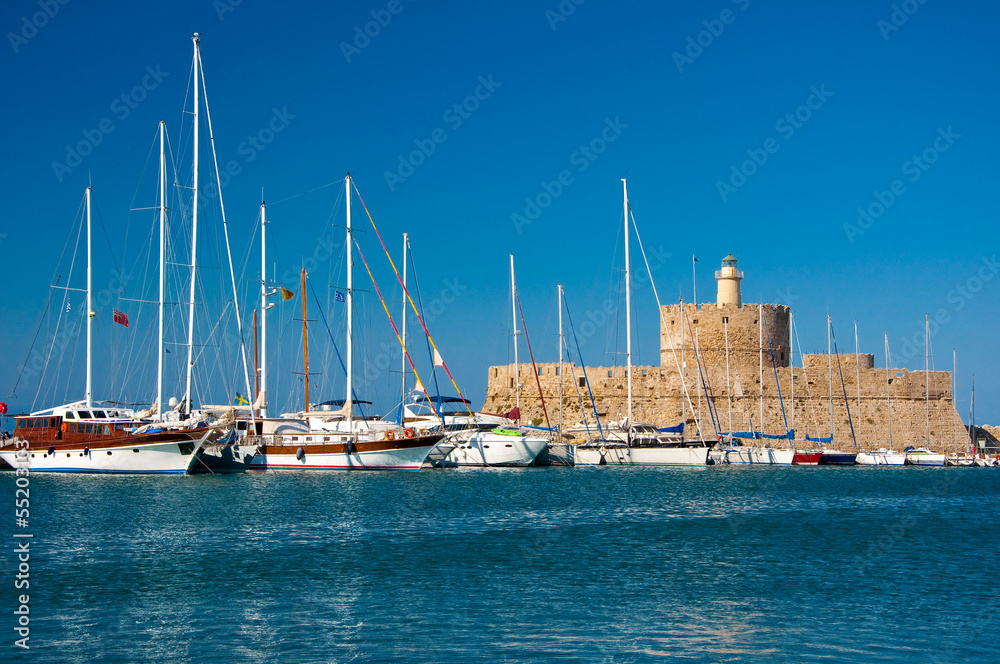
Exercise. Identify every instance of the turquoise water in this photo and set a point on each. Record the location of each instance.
(613, 564)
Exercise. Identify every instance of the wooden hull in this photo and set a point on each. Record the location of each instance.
(404, 454)
(161, 453)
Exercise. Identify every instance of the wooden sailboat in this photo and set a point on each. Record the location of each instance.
(90, 437)
(314, 442)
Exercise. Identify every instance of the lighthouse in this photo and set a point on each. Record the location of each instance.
(729, 283)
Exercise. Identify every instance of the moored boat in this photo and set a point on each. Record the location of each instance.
(806, 457)
(921, 456)
(837, 458)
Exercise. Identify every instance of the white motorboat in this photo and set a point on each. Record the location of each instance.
(881, 457)
(921, 456)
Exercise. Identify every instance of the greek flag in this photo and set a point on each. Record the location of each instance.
(338, 296)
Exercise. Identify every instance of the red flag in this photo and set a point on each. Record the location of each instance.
(3, 408)
(121, 318)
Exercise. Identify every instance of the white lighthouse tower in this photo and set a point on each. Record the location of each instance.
(729, 283)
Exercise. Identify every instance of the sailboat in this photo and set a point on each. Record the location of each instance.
(476, 439)
(647, 446)
(832, 457)
(883, 456)
(90, 437)
(316, 441)
(924, 456)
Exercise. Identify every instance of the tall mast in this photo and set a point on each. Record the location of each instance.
(791, 364)
(90, 311)
(927, 375)
(954, 382)
(829, 362)
(406, 244)
(696, 352)
(857, 362)
(729, 391)
(888, 395)
(262, 394)
(513, 308)
(194, 233)
(305, 341)
(683, 374)
(760, 336)
(628, 306)
(350, 305)
(561, 378)
(163, 223)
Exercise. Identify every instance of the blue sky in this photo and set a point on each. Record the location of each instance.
(824, 107)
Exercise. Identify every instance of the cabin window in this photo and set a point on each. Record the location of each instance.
(326, 439)
(100, 414)
(309, 439)
(85, 415)
(583, 381)
(37, 423)
(107, 430)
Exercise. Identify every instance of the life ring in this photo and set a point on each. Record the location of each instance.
(65, 427)
(408, 433)
(389, 435)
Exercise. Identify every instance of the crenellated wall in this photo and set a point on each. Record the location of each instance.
(907, 407)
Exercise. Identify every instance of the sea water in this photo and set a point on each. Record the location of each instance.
(599, 564)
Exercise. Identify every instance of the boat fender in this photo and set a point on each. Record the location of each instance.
(408, 433)
(300, 454)
(65, 427)
(602, 449)
(52, 451)
(389, 435)
(86, 451)
(350, 448)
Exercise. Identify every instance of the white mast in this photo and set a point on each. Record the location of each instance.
(560, 362)
(857, 362)
(163, 223)
(888, 395)
(927, 374)
(696, 351)
(406, 244)
(513, 309)
(194, 234)
(350, 306)
(262, 397)
(791, 365)
(760, 336)
(954, 383)
(729, 391)
(225, 229)
(628, 306)
(90, 311)
(683, 374)
(829, 362)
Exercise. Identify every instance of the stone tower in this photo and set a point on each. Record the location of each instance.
(729, 283)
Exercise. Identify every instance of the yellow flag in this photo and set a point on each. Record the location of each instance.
(286, 294)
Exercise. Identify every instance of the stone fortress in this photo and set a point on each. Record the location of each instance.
(751, 333)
